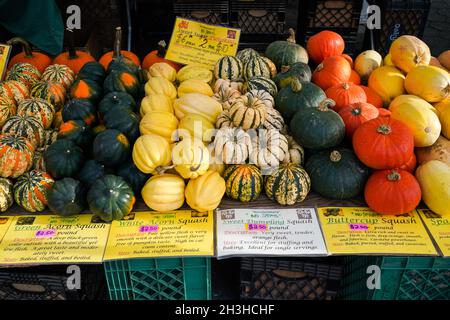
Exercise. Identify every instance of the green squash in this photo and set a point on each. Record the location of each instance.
(6, 194)
(257, 67)
(286, 53)
(86, 89)
(228, 68)
(64, 159)
(77, 131)
(125, 121)
(288, 184)
(67, 197)
(80, 109)
(297, 96)
(133, 176)
(261, 83)
(122, 63)
(247, 54)
(111, 148)
(92, 71)
(31, 190)
(318, 128)
(121, 81)
(337, 174)
(244, 182)
(111, 198)
(92, 171)
(116, 101)
(298, 70)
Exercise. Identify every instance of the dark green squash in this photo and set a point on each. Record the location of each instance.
(337, 174)
(111, 198)
(92, 171)
(80, 109)
(122, 63)
(318, 128)
(125, 121)
(64, 159)
(67, 197)
(286, 53)
(77, 131)
(111, 148)
(133, 176)
(92, 71)
(86, 89)
(121, 81)
(297, 96)
(298, 70)
(116, 101)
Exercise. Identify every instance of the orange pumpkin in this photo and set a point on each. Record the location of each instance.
(372, 97)
(345, 94)
(106, 59)
(408, 52)
(383, 112)
(444, 59)
(349, 59)
(332, 71)
(40, 60)
(355, 78)
(325, 44)
(411, 165)
(158, 56)
(356, 114)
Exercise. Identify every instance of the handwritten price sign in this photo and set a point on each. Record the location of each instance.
(359, 227)
(48, 233)
(148, 229)
(256, 227)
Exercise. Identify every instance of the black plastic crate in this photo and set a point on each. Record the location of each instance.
(332, 14)
(206, 11)
(400, 17)
(290, 278)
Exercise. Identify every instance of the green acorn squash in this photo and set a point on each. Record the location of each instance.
(133, 176)
(92, 71)
(116, 101)
(67, 197)
(298, 70)
(77, 131)
(92, 171)
(64, 159)
(111, 148)
(86, 89)
(122, 63)
(80, 109)
(125, 121)
(121, 81)
(286, 53)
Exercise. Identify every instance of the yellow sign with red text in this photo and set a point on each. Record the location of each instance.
(439, 228)
(5, 222)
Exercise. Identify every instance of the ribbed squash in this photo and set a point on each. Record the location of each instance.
(80, 109)
(274, 120)
(295, 154)
(434, 180)
(16, 156)
(440, 150)
(269, 149)
(224, 120)
(160, 85)
(151, 153)
(57, 120)
(121, 81)
(272, 67)
(6, 194)
(248, 112)
(199, 104)
(367, 62)
(7, 109)
(116, 101)
(39, 109)
(288, 185)
(205, 193)
(194, 72)
(194, 86)
(261, 83)
(428, 82)
(53, 92)
(246, 54)
(31, 190)
(257, 67)
(286, 53)
(15, 91)
(443, 108)
(159, 122)
(408, 52)
(27, 127)
(156, 102)
(195, 125)
(388, 83)
(111, 148)
(77, 131)
(298, 70)
(346, 94)
(93, 71)
(86, 89)
(190, 157)
(227, 84)
(264, 96)
(25, 73)
(125, 121)
(60, 74)
(227, 96)
(228, 68)
(244, 182)
(164, 192)
(162, 69)
(38, 160)
(92, 171)
(67, 197)
(133, 176)
(64, 159)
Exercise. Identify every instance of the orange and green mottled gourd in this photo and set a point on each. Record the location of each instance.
(24, 73)
(14, 90)
(39, 109)
(60, 74)
(52, 92)
(7, 110)
(6, 194)
(31, 190)
(16, 155)
(27, 127)
(244, 182)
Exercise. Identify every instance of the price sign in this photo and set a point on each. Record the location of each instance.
(49, 233)
(256, 227)
(362, 227)
(148, 229)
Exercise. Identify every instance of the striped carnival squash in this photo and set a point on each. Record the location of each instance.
(156, 102)
(247, 54)
(288, 185)
(264, 96)
(77, 131)
(16, 91)
(86, 89)
(121, 81)
(272, 67)
(224, 120)
(80, 109)
(133, 176)
(31, 190)
(244, 182)
(38, 160)
(192, 71)
(7, 109)
(232, 145)
(257, 67)
(274, 121)
(50, 136)
(227, 96)
(92, 71)
(151, 153)
(261, 83)
(286, 53)
(199, 104)
(194, 86)
(221, 84)
(159, 122)
(67, 197)
(25, 73)
(160, 85)
(39, 109)
(116, 101)
(6, 194)
(111, 148)
(52, 92)
(228, 68)
(125, 121)
(16, 156)
(298, 70)
(92, 171)
(269, 149)
(60, 74)
(27, 127)
(64, 159)
(248, 112)
(295, 154)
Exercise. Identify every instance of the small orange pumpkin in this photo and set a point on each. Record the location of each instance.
(332, 71)
(345, 94)
(372, 97)
(106, 59)
(158, 56)
(325, 44)
(40, 60)
(355, 78)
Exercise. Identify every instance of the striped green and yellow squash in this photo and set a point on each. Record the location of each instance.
(244, 182)
(39, 109)
(14, 90)
(228, 68)
(38, 160)
(261, 83)
(25, 73)
(248, 112)
(52, 92)
(288, 184)
(50, 136)
(27, 127)
(7, 109)
(274, 120)
(16, 155)
(257, 67)
(246, 55)
(60, 74)
(6, 194)
(262, 95)
(31, 190)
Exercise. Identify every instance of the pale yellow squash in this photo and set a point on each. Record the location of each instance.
(367, 62)
(191, 158)
(161, 123)
(197, 126)
(408, 52)
(156, 102)
(205, 193)
(164, 192)
(388, 83)
(152, 154)
(194, 86)
(197, 103)
(215, 162)
(428, 82)
(161, 69)
(387, 61)
(434, 180)
(160, 85)
(419, 116)
(443, 108)
(194, 72)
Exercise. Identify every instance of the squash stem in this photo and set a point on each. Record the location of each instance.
(335, 156)
(72, 52)
(384, 129)
(291, 38)
(296, 85)
(161, 49)
(25, 46)
(118, 42)
(394, 176)
(326, 104)
(356, 111)
(346, 86)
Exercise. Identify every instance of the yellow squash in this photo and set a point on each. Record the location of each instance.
(367, 62)
(387, 61)
(151, 153)
(428, 82)
(164, 192)
(191, 158)
(443, 108)
(206, 192)
(194, 86)
(420, 116)
(156, 102)
(161, 69)
(194, 72)
(197, 103)
(195, 125)
(215, 163)
(434, 180)
(388, 83)
(161, 123)
(408, 52)
(160, 85)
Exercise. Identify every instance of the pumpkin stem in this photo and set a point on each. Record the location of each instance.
(25, 46)
(394, 176)
(319, 67)
(285, 68)
(326, 104)
(346, 86)
(291, 38)
(296, 85)
(72, 52)
(335, 156)
(118, 42)
(161, 49)
(356, 111)
(384, 129)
